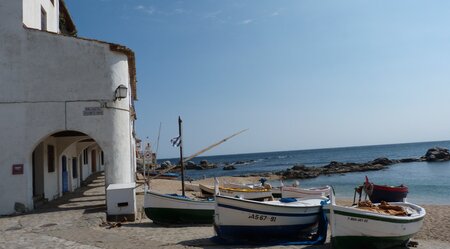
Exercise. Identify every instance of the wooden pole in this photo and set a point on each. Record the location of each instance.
(180, 131)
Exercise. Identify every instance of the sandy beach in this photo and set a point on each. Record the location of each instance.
(435, 227)
(77, 221)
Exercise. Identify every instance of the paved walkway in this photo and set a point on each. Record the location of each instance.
(74, 221)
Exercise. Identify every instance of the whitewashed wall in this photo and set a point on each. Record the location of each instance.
(47, 82)
(32, 14)
(51, 179)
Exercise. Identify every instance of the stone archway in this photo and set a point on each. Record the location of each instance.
(56, 167)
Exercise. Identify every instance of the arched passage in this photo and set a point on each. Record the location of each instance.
(61, 162)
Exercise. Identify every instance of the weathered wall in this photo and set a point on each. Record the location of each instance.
(47, 82)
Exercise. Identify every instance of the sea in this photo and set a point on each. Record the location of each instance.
(428, 182)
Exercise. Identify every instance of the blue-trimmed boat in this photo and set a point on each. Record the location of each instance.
(238, 220)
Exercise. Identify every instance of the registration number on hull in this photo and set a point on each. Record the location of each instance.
(357, 219)
(262, 217)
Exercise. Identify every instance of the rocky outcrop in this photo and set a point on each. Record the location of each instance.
(243, 162)
(206, 165)
(229, 167)
(166, 164)
(410, 160)
(302, 172)
(383, 161)
(192, 165)
(437, 154)
(340, 168)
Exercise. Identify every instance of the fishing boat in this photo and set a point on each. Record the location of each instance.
(180, 209)
(356, 227)
(239, 219)
(378, 193)
(246, 193)
(177, 209)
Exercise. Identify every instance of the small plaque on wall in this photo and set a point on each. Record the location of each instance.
(92, 111)
(17, 169)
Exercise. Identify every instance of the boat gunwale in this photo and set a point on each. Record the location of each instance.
(270, 213)
(271, 204)
(401, 189)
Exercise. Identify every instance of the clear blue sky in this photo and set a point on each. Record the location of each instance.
(298, 74)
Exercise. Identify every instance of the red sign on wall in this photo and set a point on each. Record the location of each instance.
(17, 169)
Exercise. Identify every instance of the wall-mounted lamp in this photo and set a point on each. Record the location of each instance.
(120, 93)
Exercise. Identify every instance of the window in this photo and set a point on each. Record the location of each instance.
(85, 156)
(51, 158)
(43, 19)
(102, 158)
(74, 168)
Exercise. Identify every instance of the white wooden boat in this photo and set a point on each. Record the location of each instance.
(172, 208)
(246, 193)
(191, 187)
(238, 219)
(297, 192)
(352, 227)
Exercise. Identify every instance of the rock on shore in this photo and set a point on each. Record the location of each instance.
(437, 154)
(229, 167)
(299, 171)
(303, 172)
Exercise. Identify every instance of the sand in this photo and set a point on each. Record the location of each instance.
(76, 221)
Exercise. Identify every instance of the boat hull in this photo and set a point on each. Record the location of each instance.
(356, 228)
(167, 209)
(378, 193)
(382, 193)
(245, 220)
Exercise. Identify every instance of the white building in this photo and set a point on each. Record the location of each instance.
(62, 113)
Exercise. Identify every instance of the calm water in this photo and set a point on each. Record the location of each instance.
(427, 182)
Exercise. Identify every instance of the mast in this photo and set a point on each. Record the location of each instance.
(181, 153)
(157, 144)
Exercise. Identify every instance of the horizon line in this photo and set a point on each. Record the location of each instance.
(326, 148)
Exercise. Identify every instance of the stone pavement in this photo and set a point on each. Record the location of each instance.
(74, 221)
